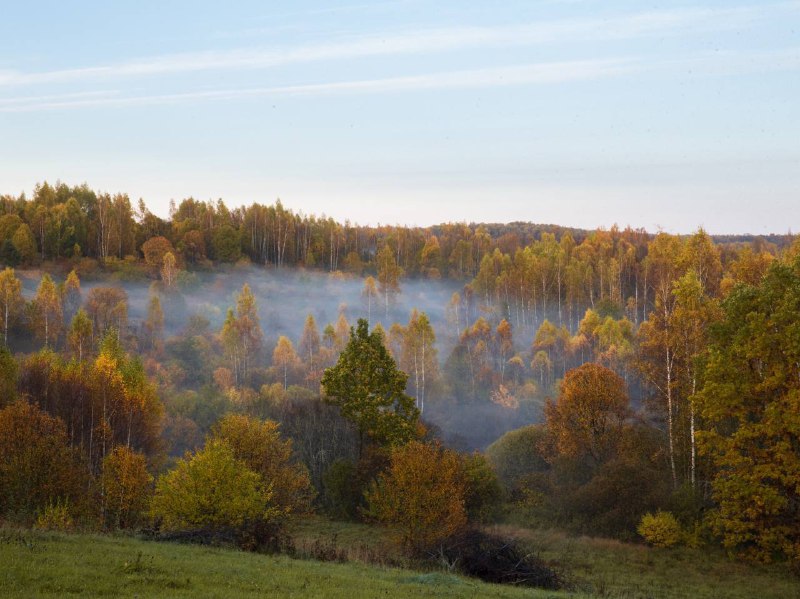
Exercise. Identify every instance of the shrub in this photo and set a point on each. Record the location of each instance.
(660, 529)
(55, 516)
(517, 455)
(212, 490)
(497, 560)
(342, 494)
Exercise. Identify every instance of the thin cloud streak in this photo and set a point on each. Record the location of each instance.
(659, 22)
(542, 73)
(716, 63)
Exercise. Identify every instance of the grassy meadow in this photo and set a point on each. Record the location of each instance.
(44, 564)
(36, 564)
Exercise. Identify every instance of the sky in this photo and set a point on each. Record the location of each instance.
(663, 115)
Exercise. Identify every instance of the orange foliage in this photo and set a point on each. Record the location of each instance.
(590, 411)
(422, 495)
(37, 466)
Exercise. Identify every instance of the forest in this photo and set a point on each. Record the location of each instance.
(224, 372)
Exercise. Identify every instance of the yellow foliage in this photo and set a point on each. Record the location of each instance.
(211, 489)
(259, 445)
(55, 516)
(126, 487)
(660, 529)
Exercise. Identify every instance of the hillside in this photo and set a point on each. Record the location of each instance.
(56, 565)
(38, 564)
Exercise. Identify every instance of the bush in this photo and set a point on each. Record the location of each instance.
(212, 490)
(55, 516)
(660, 529)
(257, 535)
(497, 560)
(517, 455)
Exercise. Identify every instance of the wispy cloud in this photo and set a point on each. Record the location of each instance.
(660, 22)
(542, 73)
(705, 64)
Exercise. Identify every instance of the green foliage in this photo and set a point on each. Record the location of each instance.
(24, 244)
(750, 404)
(370, 391)
(227, 244)
(660, 529)
(342, 494)
(212, 489)
(518, 455)
(482, 493)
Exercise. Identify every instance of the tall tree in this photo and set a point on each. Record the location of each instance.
(108, 309)
(657, 339)
(169, 271)
(310, 348)
(11, 301)
(241, 333)
(369, 292)
(47, 314)
(750, 417)
(587, 417)
(419, 355)
(389, 274)
(79, 336)
(71, 295)
(154, 324)
(370, 391)
(694, 315)
(285, 358)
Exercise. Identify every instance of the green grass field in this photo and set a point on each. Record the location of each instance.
(38, 564)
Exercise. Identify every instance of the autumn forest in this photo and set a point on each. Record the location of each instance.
(224, 373)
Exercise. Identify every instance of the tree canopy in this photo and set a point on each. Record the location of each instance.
(369, 389)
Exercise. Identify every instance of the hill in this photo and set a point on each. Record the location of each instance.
(39, 564)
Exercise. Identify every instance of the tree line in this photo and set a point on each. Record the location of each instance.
(666, 360)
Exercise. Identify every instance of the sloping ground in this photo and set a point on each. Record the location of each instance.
(610, 568)
(594, 567)
(34, 564)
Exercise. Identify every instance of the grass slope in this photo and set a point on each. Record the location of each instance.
(610, 568)
(598, 567)
(38, 564)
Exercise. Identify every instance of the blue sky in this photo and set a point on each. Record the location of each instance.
(655, 114)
